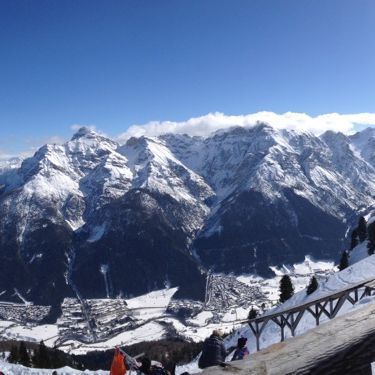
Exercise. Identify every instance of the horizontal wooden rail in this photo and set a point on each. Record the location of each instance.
(328, 305)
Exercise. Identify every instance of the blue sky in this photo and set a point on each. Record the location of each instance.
(119, 63)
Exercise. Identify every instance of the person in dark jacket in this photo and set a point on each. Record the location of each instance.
(241, 350)
(213, 352)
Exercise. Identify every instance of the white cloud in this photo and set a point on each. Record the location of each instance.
(205, 125)
(5, 155)
(35, 143)
(31, 145)
(76, 127)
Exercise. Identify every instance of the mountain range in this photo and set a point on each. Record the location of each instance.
(93, 218)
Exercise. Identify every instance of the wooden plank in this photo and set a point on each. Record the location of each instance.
(257, 335)
(298, 319)
(324, 310)
(263, 325)
(338, 306)
(252, 328)
(311, 312)
(350, 299)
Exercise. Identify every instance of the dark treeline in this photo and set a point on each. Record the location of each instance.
(37, 355)
(168, 352)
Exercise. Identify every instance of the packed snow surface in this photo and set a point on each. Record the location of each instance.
(156, 299)
(12, 369)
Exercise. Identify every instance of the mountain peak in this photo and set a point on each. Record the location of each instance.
(84, 131)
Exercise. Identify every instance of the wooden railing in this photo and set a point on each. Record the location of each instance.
(328, 305)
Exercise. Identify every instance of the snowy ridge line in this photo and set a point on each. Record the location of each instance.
(312, 301)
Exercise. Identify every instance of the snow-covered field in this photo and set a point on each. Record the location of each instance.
(11, 369)
(300, 275)
(47, 332)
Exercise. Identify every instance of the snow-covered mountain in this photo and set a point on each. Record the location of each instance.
(95, 218)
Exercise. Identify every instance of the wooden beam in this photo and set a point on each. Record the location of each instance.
(338, 306)
(257, 335)
(324, 310)
(298, 319)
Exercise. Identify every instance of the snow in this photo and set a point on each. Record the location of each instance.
(151, 305)
(300, 274)
(198, 334)
(358, 253)
(148, 332)
(191, 368)
(155, 299)
(12, 369)
(358, 273)
(201, 318)
(90, 170)
(47, 332)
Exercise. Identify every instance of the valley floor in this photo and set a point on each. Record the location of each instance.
(156, 315)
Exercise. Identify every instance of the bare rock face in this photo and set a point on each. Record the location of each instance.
(159, 211)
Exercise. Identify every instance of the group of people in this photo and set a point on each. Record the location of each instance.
(214, 352)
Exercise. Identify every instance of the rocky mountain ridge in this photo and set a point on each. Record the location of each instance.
(98, 217)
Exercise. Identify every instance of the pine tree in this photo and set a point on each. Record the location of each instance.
(313, 285)
(371, 238)
(362, 229)
(354, 239)
(344, 261)
(57, 360)
(13, 355)
(252, 313)
(23, 356)
(41, 357)
(286, 288)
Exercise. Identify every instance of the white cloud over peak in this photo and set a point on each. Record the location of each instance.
(76, 127)
(207, 124)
